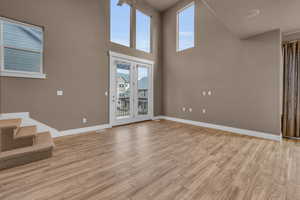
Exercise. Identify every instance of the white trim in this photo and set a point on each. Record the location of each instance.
(150, 31)
(157, 117)
(21, 74)
(177, 26)
(134, 62)
(27, 121)
(130, 58)
(257, 134)
(12, 21)
(41, 127)
(84, 130)
(1, 47)
(14, 115)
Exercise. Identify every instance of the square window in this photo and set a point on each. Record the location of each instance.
(186, 27)
(22, 47)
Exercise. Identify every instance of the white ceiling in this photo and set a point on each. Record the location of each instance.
(274, 14)
(161, 4)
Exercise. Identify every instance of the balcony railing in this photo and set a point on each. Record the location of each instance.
(123, 106)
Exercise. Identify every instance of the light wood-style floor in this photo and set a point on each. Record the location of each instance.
(159, 160)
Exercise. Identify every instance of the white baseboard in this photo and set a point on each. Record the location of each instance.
(27, 121)
(157, 117)
(84, 130)
(224, 128)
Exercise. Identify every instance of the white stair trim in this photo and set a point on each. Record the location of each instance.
(41, 127)
(27, 121)
(257, 134)
(21, 115)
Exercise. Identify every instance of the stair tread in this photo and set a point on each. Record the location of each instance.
(44, 142)
(26, 131)
(10, 123)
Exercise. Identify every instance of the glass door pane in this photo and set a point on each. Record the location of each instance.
(143, 90)
(123, 90)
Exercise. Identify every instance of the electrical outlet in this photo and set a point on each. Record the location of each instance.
(84, 120)
(183, 109)
(60, 92)
(204, 93)
(209, 93)
(190, 110)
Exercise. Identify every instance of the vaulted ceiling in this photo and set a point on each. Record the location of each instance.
(161, 5)
(250, 17)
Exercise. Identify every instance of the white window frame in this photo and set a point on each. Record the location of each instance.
(151, 27)
(130, 27)
(134, 61)
(15, 73)
(177, 26)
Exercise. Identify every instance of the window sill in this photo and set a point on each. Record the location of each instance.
(22, 74)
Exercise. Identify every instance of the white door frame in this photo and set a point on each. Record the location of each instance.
(113, 56)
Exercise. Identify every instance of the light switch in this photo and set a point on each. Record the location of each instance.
(60, 92)
(190, 110)
(84, 120)
(106, 93)
(209, 93)
(204, 93)
(203, 111)
(183, 109)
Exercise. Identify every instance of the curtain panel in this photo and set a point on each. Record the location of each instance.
(291, 90)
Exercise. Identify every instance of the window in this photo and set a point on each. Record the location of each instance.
(21, 49)
(186, 27)
(143, 32)
(120, 23)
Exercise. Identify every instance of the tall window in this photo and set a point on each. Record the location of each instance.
(120, 23)
(186, 27)
(22, 49)
(143, 32)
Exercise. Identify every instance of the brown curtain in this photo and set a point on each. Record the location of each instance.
(291, 90)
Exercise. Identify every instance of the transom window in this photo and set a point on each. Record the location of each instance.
(124, 20)
(21, 49)
(143, 32)
(186, 27)
(120, 17)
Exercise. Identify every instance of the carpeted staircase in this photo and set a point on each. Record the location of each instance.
(21, 145)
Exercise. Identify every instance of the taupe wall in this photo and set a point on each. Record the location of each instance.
(244, 75)
(76, 46)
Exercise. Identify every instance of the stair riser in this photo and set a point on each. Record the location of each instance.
(8, 142)
(25, 159)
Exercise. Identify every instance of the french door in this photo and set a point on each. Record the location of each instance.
(131, 91)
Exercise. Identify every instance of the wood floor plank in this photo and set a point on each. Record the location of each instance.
(159, 160)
